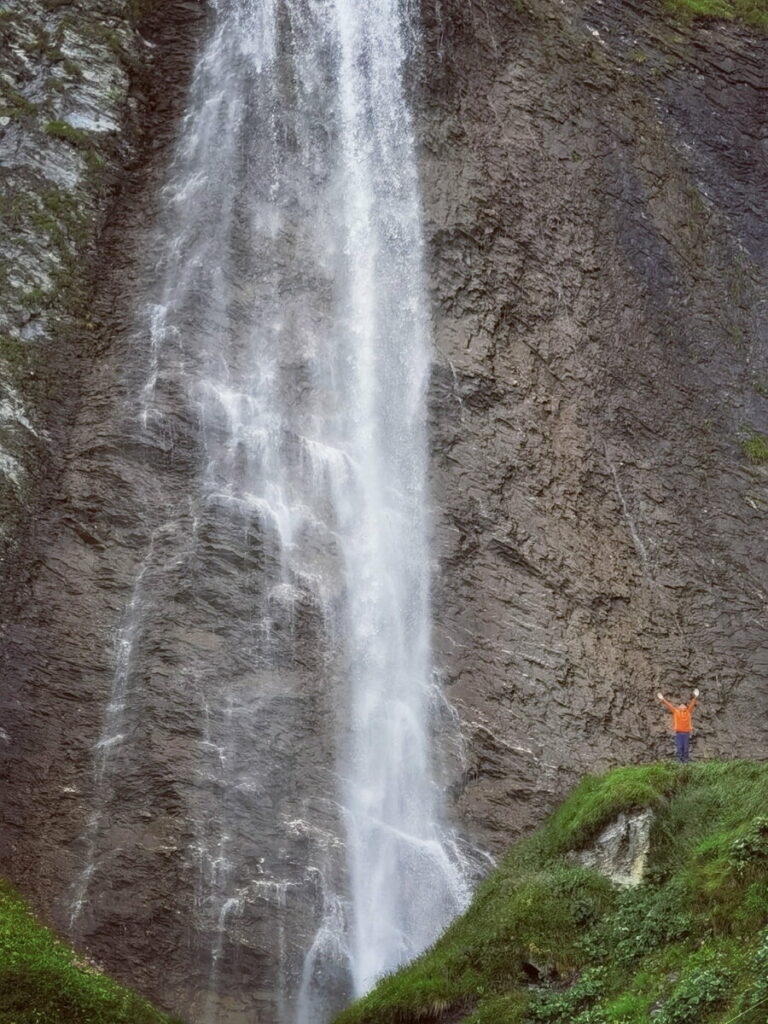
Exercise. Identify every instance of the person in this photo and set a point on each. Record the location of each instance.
(681, 723)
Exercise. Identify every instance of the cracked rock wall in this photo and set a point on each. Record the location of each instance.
(77, 107)
(64, 97)
(596, 190)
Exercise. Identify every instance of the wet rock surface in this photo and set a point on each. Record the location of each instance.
(78, 114)
(594, 204)
(64, 90)
(594, 196)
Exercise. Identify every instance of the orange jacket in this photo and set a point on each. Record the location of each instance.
(681, 719)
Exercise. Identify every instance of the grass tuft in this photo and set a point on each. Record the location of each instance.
(751, 12)
(75, 136)
(755, 447)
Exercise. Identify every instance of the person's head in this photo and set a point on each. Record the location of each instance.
(682, 705)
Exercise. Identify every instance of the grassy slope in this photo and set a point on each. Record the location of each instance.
(43, 981)
(752, 12)
(690, 944)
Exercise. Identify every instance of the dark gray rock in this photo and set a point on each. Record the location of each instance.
(78, 115)
(595, 206)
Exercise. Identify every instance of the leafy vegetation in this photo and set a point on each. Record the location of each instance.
(549, 942)
(752, 12)
(44, 981)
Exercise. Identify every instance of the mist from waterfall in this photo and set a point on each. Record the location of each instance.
(289, 309)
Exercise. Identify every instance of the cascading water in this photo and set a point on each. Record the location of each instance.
(290, 317)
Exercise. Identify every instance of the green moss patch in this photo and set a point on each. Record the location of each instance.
(75, 136)
(755, 446)
(751, 12)
(44, 981)
(548, 942)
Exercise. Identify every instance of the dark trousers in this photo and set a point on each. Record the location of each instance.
(682, 740)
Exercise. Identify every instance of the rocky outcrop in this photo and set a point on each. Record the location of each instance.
(620, 850)
(595, 198)
(63, 95)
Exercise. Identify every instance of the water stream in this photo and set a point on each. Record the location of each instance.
(289, 311)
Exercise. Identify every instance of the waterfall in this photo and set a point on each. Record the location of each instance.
(288, 324)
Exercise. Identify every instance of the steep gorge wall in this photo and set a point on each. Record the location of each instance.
(86, 93)
(596, 190)
(594, 197)
(91, 95)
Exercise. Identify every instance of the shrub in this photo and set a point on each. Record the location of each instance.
(752, 846)
(573, 1004)
(699, 991)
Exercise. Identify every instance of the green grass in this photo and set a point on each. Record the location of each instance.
(598, 799)
(75, 136)
(14, 104)
(754, 445)
(690, 943)
(44, 981)
(751, 12)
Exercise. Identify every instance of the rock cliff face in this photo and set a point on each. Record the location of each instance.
(594, 184)
(78, 116)
(596, 195)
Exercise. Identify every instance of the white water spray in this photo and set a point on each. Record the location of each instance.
(290, 313)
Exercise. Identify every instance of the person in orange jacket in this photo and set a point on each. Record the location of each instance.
(681, 723)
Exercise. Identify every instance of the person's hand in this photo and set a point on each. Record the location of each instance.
(695, 693)
(660, 696)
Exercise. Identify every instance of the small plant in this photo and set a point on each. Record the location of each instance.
(63, 130)
(752, 847)
(14, 104)
(572, 1004)
(646, 919)
(755, 446)
(697, 993)
(757, 995)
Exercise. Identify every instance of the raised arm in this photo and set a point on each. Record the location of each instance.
(664, 701)
(692, 705)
